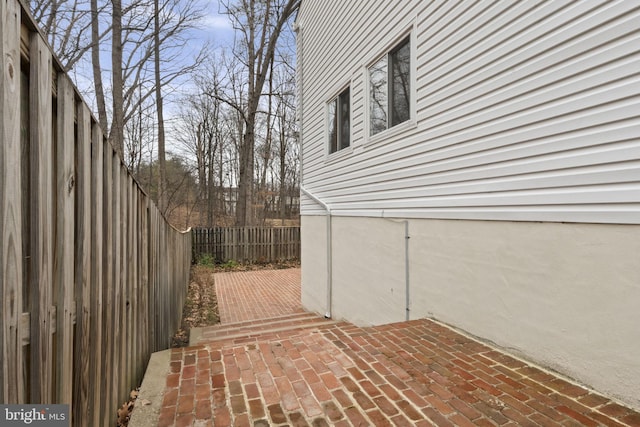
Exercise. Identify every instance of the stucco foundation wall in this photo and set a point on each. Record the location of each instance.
(566, 296)
(313, 253)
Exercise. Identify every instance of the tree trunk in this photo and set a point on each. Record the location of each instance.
(258, 57)
(162, 163)
(95, 63)
(244, 215)
(117, 126)
(283, 160)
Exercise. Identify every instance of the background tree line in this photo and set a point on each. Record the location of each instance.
(210, 132)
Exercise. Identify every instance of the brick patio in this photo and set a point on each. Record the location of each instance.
(272, 364)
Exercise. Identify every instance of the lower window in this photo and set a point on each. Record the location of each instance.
(339, 122)
(389, 89)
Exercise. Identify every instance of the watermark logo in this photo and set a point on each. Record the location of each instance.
(34, 415)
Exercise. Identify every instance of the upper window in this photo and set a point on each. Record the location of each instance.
(339, 121)
(389, 85)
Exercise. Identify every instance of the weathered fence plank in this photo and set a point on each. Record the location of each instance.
(108, 282)
(95, 335)
(11, 272)
(41, 274)
(83, 268)
(64, 238)
(144, 270)
(153, 262)
(247, 244)
(131, 355)
(116, 263)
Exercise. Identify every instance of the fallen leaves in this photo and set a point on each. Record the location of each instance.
(124, 413)
(201, 305)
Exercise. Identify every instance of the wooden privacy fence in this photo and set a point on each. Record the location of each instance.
(247, 244)
(92, 278)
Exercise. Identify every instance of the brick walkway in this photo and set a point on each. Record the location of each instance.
(297, 369)
(251, 295)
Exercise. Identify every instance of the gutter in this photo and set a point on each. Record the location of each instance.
(327, 209)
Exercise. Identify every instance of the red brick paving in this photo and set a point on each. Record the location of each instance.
(336, 374)
(254, 295)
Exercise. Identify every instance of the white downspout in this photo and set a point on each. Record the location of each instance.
(327, 209)
(407, 269)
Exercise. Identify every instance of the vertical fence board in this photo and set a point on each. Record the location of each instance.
(11, 273)
(117, 385)
(107, 285)
(83, 267)
(152, 281)
(141, 307)
(129, 330)
(163, 292)
(64, 237)
(42, 379)
(143, 273)
(133, 307)
(96, 395)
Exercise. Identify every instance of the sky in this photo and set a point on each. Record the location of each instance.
(216, 27)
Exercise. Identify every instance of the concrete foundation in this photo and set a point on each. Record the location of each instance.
(565, 296)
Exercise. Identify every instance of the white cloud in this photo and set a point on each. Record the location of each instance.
(216, 21)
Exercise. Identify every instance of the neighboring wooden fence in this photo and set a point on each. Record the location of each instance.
(247, 244)
(92, 278)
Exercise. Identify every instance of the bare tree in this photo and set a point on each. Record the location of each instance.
(162, 161)
(201, 132)
(146, 42)
(95, 65)
(258, 24)
(287, 144)
(139, 134)
(116, 135)
(67, 24)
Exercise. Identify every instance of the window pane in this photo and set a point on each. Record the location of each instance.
(345, 122)
(333, 131)
(400, 64)
(378, 85)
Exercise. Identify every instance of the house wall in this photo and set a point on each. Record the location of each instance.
(562, 295)
(519, 175)
(523, 110)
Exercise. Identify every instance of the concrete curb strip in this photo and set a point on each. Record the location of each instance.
(152, 390)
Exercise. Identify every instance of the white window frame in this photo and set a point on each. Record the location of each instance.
(346, 149)
(411, 122)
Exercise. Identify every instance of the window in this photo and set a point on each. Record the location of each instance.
(389, 89)
(339, 122)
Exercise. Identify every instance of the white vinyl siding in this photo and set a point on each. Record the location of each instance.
(523, 111)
